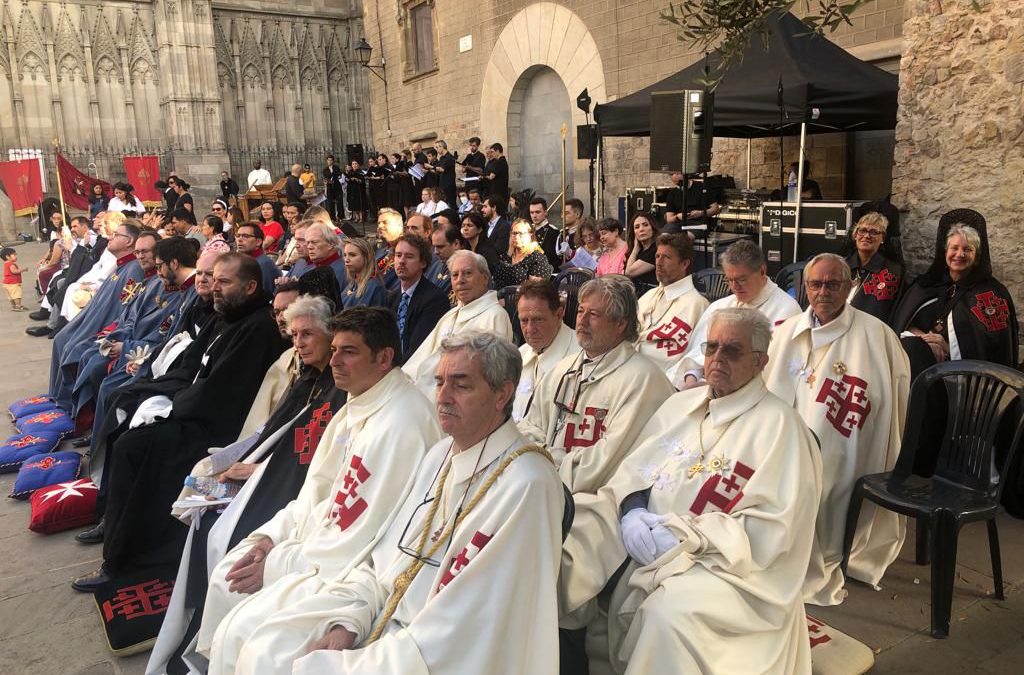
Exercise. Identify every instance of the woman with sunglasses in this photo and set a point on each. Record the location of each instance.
(524, 259)
(876, 277)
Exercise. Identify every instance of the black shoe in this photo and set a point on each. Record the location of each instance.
(93, 535)
(91, 581)
(39, 331)
(40, 314)
(83, 442)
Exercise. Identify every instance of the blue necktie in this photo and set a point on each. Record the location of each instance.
(403, 314)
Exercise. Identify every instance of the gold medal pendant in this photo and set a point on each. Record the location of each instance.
(695, 469)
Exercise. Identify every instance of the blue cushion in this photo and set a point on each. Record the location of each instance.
(17, 449)
(49, 421)
(39, 471)
(31, 406)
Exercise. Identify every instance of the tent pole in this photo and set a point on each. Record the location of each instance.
(748, 163)
(799, 190)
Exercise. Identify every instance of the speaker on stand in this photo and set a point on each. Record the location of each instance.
(354, 152)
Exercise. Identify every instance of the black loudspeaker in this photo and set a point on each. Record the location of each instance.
(682, 128)
(586, 141)
(355, 152)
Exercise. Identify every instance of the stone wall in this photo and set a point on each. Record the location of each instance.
(206, 86)
(961, 126)
(614, 47)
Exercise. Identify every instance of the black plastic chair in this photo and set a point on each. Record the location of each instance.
(966, 485)
(791, 277)
(569, 282)
(711, 283)
(509, 297)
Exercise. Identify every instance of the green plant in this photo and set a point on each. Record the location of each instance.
(729, 25)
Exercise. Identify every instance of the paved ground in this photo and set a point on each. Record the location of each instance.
(48, 629)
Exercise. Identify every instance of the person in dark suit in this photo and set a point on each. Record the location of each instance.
(499, 229)
(293, 186)
(417, 303)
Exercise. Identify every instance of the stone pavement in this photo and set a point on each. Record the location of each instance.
(48, 629)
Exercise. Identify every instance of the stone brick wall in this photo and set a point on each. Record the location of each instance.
(635, 49)
(961, 124)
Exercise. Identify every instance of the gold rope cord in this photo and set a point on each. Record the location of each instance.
(405, 579)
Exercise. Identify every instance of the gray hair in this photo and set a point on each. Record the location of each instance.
(620, 293)
(743, 253)
(328, 233)
(314, 307)
(844, 268)
(500, 362)
(478, 260)
(752, 319)
(968, 233)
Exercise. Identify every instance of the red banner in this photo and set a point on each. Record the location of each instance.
(142, 173)
(77, 186)
(23, 183)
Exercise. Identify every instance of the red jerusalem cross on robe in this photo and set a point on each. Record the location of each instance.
(846, 403)
(348, 505)
(307, 437)
(991, 310)
(588, 431)
(145, 599)
(817, 632)
(465, 556)
(673, 336)
(882, 285)
(720, 493)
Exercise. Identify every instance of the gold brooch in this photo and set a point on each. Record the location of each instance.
(839, 368)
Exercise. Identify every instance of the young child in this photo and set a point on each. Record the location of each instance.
(12, 278)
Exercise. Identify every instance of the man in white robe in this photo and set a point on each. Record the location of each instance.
(548, 338)
(590, 407)
(363, 471)
(444, 592)
(477, 309)
(669, 313)
(745, 269)
(846, 374)
(711, 509)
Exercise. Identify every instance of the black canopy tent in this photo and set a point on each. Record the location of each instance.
(824, 89)
(823, 85)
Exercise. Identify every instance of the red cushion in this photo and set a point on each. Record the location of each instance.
(63, 506)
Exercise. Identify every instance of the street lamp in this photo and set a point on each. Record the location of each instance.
(363, 52)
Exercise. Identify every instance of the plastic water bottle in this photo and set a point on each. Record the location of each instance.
(211, 487)
(791, 187)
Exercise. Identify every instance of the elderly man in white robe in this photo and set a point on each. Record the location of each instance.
(591, 406)
(747, 273)
(711, 510)
(846, 374)
(362, 472)
(444, 592)
(477, 310)
(670, 312)
(548, 339)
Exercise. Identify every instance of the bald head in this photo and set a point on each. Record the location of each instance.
(296, 169)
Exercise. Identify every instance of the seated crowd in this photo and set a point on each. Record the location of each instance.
(399, 476)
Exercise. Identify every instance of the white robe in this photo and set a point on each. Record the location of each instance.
(668, 316)
(96, 275)
(489, 607)
(483, 314)
(856, 405)
(620, 392)
(276, 383)
(362, 472)
(726, 599)
(536, 366)
(772, 301)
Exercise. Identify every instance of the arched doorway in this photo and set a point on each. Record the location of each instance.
(538, 107)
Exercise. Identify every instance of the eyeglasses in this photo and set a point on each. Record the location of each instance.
(738, 281)
(832, 285)
(730, 351)
(410, 550)
(218, 208)
(864, 232)
(245, 236)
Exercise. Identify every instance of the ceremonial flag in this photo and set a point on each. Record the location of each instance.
(23, 183)
(142, 173)
(77, 186)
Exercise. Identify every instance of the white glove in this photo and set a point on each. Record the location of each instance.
(664, 540)
(637, 536)
(150, 410)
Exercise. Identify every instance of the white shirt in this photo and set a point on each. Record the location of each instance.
(259, 177)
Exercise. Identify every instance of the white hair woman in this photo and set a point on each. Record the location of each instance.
(877, 279)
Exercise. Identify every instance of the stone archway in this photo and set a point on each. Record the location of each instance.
(538, 107)
(542, 34)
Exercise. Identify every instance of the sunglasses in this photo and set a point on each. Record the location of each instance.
(730, 351)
